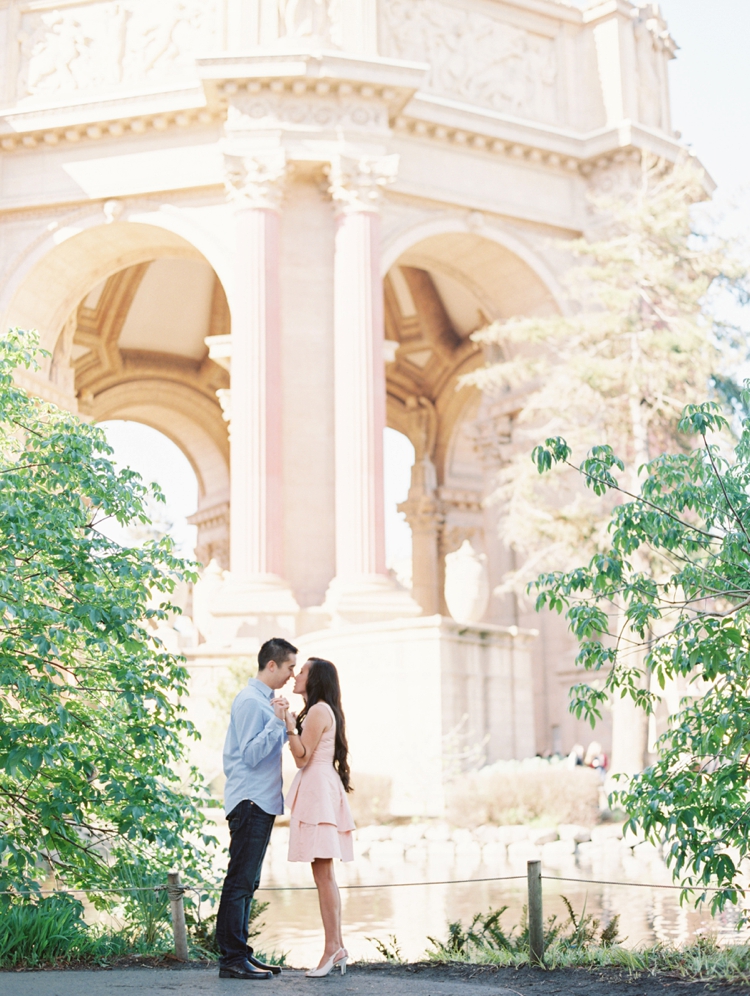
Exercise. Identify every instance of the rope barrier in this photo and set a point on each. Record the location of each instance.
(175, 892)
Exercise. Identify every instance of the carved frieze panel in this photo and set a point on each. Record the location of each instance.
(474, 57)
(305, 112)
(320, 19)
(99, 46)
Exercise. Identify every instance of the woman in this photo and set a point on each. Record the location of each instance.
(321, 822)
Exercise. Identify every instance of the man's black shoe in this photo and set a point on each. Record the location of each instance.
(245, 971)
(275, 969)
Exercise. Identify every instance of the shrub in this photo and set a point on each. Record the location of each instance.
(500, 795)
(50, 930)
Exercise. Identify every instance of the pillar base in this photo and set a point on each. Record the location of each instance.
(244, 612)
(366, 599)
(474, 689)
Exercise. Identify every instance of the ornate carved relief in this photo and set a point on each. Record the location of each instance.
(103, 45)
(213, 535)
(320, 19)
(492, 434)
(357, 184)
(475, 57)
(291, 111)
(256, 181)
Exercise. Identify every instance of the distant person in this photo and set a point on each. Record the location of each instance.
(575, 758)
(321, 822)
(252, 801)
(596, 758)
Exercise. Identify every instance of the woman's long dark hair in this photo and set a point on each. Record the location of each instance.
(323, 686)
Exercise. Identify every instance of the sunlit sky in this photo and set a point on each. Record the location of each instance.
(710, 84)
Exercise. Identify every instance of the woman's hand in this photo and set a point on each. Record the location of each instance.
(280, 707)
(291, 721)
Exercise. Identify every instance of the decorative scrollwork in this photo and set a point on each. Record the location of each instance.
(356, 184)
(256, 180)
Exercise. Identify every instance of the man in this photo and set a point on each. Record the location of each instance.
(252, 800)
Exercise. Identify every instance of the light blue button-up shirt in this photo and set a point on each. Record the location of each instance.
(252, 751)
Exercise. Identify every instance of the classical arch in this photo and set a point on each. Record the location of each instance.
(408, 238)
(190, 422)
(125, 310)
(438, 290)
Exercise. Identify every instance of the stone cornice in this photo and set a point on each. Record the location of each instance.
(389, 80)
(334, 79)
(43, 126)
(466, 127)
(560, 10)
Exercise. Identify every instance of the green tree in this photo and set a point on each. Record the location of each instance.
(91, 726)
(687, 620)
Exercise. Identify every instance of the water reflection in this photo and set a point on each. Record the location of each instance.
(415, 913)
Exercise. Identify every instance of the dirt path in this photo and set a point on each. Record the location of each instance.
(378, 980)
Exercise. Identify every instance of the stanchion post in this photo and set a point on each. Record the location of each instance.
(536, 921)
(174, 891)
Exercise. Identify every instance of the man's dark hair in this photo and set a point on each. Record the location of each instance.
(277, 649)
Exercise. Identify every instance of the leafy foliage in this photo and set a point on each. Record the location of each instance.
(388, 949)
(702, 959)
(678, 631)
(91, 726)
(49, 931)
(485, 937)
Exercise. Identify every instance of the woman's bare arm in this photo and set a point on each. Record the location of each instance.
(317, 721)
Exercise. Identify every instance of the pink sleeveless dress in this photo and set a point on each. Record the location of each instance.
(321, 822)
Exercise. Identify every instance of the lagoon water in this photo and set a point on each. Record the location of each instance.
(413, 913)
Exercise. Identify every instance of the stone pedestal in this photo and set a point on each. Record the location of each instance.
(418, 693)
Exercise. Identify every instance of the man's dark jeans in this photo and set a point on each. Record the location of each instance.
(250, 830)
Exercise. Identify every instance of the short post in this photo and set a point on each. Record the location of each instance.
(175, 892)
(536, 922)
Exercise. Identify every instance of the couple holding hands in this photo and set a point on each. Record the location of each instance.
(321, 823)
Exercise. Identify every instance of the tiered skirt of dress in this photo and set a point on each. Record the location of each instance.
(321, 822)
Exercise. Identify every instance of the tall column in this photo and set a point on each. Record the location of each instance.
(256, 554)
(362, 590)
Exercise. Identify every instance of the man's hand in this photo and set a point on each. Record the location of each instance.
(280, 707)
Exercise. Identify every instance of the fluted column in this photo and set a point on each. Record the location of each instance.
(256, 555)
(361, 589)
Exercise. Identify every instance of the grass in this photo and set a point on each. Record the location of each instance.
(53, 932)
(582, 942)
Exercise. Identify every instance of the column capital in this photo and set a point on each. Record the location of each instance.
(256, 179)
(357, 183)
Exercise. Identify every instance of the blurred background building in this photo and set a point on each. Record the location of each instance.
(267, 229)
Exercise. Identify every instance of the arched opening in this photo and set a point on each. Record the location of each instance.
(157, 459)
(137, 323)
(437, 292)
(398, 453)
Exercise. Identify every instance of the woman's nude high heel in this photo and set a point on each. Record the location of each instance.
(337, 960)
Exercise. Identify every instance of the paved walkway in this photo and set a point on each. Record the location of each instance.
(206, 982)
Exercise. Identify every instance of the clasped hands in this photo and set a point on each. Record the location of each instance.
(282, 711)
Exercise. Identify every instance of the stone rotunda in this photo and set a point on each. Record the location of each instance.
(268, 228)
